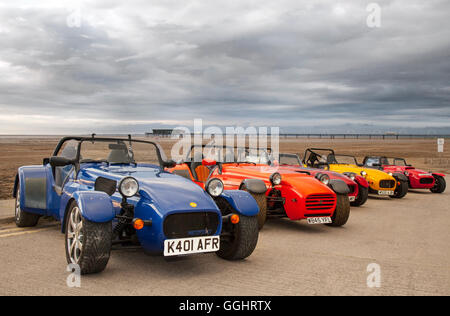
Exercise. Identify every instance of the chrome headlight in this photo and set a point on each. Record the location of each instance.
(351, 175)
(275, 178)
(214, 187)
(363, 173)
(325, 179)
(128, 187)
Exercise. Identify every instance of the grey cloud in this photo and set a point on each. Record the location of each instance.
(287, 63)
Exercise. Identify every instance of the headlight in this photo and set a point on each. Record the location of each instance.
(214, 187)
(351, 175)
(363, 173)
(275, 178)
(407, 173)
(128, 187)
(391, 174)
(324, 178)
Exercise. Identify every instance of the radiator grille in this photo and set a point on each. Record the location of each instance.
(184, 225)
(387, 184)
(426, 180)
(316, 202)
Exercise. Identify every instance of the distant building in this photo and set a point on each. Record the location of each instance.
(164, 132)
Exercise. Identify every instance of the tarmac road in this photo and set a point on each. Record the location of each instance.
(408, 238)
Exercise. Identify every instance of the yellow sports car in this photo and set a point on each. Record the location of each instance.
(394, 185)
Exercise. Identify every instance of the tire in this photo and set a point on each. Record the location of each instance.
(22, 218)
(362, 197)
(440, 185)
(92, 254)
(244, 240)
(342, 212)
(401, 190)
(240, 240)
(261, 200)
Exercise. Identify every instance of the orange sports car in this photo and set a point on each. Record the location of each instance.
(279, 192)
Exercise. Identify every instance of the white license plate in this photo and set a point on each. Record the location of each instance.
(187, 246)
(352, 198)
(382, 192)
(319, 220)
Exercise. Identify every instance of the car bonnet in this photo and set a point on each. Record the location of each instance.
(168, 191)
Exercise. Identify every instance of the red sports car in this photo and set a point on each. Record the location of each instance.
(279, 192)
(358, 185)
(417, 179)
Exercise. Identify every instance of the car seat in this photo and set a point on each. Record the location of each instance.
(119, 154)
(199, 171)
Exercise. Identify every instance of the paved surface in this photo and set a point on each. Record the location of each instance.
(408, 238)
(6, 210)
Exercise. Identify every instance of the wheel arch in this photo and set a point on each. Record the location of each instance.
(242, 202)
(16, 183)
(254, 186)
(361, 181)
(400, 177)
(339, 186)
(95, 206)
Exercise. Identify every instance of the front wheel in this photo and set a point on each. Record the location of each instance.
(88, 244)
(362, 197)
(22, 218)
(342, 212)
(439, 186)
(241, 240)
(401, 190)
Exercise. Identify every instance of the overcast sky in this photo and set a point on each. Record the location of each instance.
(126, 66)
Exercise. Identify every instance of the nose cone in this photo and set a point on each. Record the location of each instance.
(306, 185)
(174, 193)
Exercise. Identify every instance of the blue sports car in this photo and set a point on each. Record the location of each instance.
(107, 191)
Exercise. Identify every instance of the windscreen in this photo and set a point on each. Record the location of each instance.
(230, 154)
(399, 162)
(370, 162)
(118, 152)
(291, 160)
(342, 159)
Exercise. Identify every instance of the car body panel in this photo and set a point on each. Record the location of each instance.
(95, 206)
(242, 202)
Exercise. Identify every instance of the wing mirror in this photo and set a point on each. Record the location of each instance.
(209, 162)
(56, 161)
